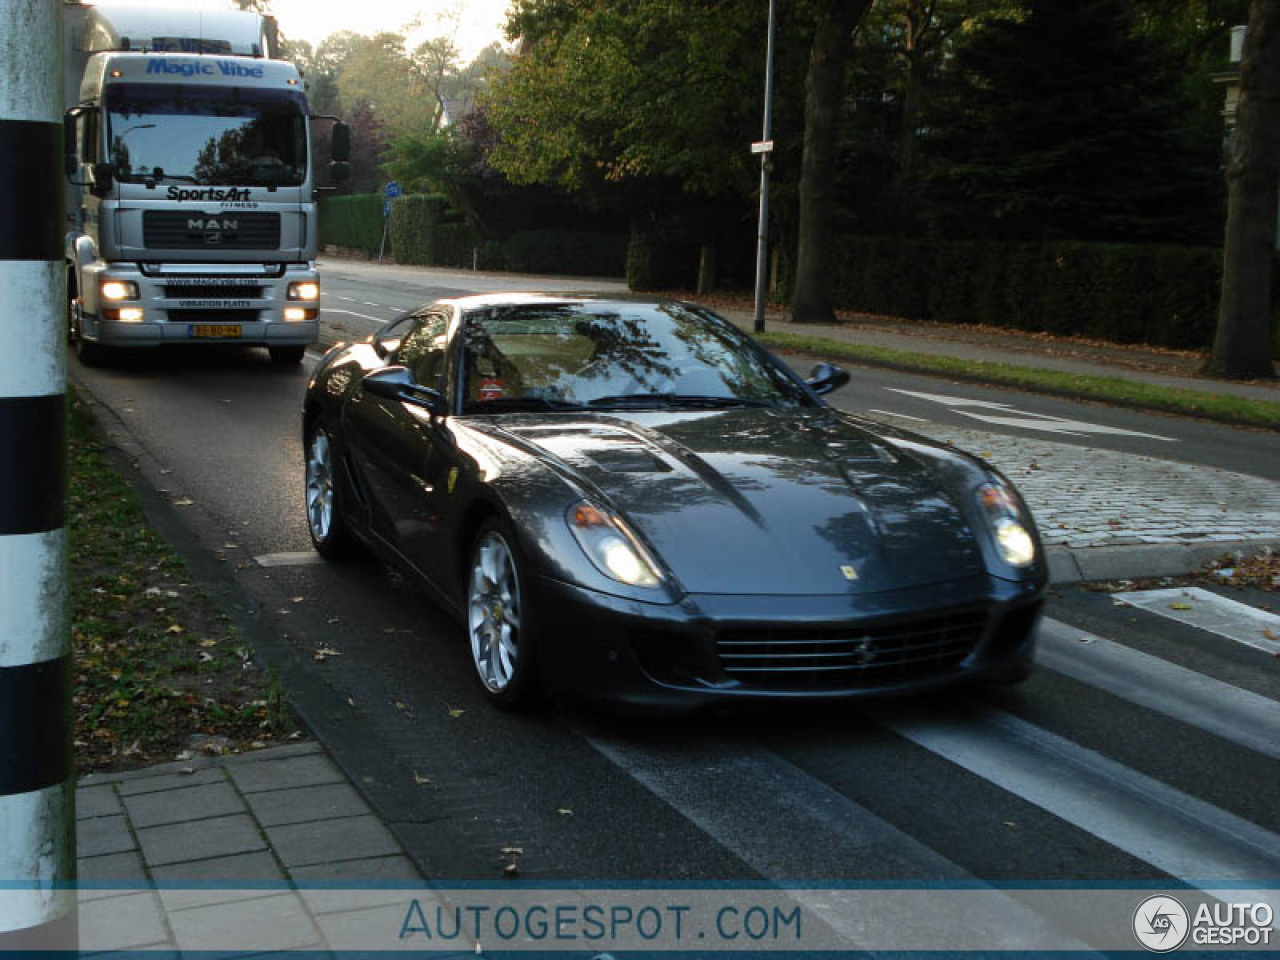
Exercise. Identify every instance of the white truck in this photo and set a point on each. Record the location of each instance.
(191, 183)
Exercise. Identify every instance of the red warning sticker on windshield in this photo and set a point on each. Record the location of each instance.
(491, 389)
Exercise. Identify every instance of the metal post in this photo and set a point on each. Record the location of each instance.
(762, 230)
(37, 787)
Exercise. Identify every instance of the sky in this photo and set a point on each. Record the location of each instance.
(480, 21)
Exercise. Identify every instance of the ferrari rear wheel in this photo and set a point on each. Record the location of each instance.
(499, 625)
(325, 521)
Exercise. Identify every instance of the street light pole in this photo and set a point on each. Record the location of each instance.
(766, 146)
(37, 782)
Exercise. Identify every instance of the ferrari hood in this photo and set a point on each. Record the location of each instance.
(758, 501)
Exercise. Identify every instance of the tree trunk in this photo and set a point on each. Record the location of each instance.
(1241, 345)
(910, 112)
(706, 269)
(824, 93)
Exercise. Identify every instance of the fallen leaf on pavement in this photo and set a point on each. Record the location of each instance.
(324, 653)
(420, 780)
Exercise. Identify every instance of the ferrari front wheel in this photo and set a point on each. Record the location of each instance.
(499, 624)
(325, 520)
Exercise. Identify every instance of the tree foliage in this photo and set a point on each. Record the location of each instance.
(1064, 123)
(617, 94)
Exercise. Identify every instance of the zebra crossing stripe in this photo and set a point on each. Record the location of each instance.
(1244, 718)
(1182, 835)
(756, 789)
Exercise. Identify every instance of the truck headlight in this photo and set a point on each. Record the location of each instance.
(304, 290)
(1009, 524)
(119, 290)
(611, 546)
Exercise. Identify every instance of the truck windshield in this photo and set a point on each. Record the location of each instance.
(206, 134)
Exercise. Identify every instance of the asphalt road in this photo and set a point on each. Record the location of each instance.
(1149, 752)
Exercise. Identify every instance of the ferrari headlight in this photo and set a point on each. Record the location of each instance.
(611, 546)
(1009, 525)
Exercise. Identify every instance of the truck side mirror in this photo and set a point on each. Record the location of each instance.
(339, 171)
(102, 178)
(340, 149)
(71, 160)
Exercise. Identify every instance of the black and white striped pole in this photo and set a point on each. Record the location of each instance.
(37, 789)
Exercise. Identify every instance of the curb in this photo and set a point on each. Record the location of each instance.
(1141, 561)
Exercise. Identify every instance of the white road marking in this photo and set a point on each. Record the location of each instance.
(900, 416)
(362, 316)
(737, 793)
(1182, 835)
(1023, 419)
(1204, 609)
(1237, 715)
(298, 558)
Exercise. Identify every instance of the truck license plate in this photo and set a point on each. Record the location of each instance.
(215, 330)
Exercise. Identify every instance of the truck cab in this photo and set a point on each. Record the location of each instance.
(189, 151)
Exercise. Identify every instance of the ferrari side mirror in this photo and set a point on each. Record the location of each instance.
(397, 383)
(826, 377)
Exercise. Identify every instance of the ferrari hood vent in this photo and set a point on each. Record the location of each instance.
(628, 460)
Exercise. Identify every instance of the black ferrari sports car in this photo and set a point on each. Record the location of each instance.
(632, 500)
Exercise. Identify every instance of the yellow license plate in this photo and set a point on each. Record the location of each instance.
(215, 330)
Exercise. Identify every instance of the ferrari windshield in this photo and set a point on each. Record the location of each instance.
(206, 134)
(622, 354)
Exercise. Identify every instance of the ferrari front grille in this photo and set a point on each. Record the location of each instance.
(845, 656)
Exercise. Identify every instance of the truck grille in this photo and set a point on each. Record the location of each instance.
(207, 291)
(179, 230)
(831, 658)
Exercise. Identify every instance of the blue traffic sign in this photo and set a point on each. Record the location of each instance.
(393, 190)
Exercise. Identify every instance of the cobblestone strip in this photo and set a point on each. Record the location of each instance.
(1085, 497)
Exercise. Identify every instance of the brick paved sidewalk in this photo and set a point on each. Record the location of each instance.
(255, 851)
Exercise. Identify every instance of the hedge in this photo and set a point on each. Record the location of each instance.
(352, 221)
(414, 222)
(570, 252)
(1160, 295)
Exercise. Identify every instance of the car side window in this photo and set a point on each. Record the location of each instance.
(424, 347)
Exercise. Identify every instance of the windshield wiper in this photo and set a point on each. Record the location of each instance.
(509, 404)
(675, 400)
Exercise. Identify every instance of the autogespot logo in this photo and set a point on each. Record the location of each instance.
(1161, 924)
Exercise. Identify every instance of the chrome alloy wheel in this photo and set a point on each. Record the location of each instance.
(320, 486)
(493, 612)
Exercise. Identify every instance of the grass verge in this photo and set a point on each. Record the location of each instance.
(1197, 403)
(160, 670)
